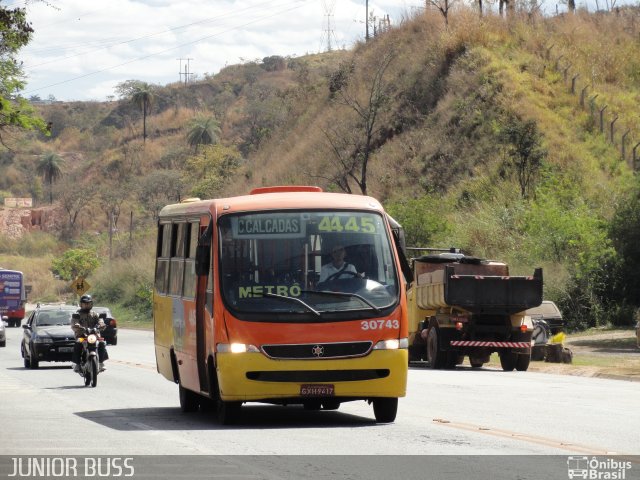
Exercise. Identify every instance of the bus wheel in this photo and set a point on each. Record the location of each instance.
(385, 409)
(228, 412)
(330, 405)
(188, 400)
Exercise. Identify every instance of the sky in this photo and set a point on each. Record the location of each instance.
(82, 49)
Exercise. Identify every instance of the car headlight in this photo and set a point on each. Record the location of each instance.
(42, 340)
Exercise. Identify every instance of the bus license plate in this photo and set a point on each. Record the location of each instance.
(317, 390)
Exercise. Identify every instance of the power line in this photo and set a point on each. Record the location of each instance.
(147, 36)
(95, 72)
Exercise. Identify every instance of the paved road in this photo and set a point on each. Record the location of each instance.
(135, 411)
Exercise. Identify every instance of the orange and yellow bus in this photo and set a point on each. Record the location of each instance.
(241, 313)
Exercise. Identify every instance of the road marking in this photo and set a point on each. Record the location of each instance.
(146, 366)
(548, 442)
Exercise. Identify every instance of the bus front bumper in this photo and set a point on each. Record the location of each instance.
(254, 377)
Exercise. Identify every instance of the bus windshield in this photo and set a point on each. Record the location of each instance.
(316, 265)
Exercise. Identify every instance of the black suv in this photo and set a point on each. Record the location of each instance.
(47, 335)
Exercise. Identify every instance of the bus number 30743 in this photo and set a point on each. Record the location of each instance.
(379, 324)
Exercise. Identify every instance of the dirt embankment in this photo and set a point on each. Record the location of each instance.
(607, 355)
(15, 222)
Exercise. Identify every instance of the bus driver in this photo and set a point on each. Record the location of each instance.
(334, 269)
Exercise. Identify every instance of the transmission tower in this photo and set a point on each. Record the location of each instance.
(328, 34)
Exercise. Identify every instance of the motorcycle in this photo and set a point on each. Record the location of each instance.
(89, 356)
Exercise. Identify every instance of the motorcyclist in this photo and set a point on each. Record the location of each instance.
(87, 319)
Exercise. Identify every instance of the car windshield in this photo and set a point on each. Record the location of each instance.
(45, 319)
(306, 263)
(544, 309)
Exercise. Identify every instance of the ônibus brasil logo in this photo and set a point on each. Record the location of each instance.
(597, 469)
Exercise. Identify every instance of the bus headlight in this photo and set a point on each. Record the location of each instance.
(236, 348)
(392, 344)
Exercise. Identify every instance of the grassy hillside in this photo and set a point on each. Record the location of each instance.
(484, 135)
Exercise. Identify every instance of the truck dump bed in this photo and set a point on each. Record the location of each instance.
(475, 285)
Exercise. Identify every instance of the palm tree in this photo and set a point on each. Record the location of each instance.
(203, 131)
(143, 97)
(50, 167)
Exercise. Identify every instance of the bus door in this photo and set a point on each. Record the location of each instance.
(204, 294)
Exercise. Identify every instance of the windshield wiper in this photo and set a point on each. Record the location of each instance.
(344, 294)
(295, 300)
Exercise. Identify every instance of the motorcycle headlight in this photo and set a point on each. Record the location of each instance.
(92, 338)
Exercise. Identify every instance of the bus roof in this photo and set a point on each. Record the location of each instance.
(274, 200)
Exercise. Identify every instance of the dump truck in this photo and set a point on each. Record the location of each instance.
(461, 305)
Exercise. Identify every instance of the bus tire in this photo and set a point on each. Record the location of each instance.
(385, 409)
(189, 401)
(435, 355)
(522, 363)
(330, 405)
(228, 412)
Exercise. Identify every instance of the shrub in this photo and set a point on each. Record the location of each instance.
(75, 262)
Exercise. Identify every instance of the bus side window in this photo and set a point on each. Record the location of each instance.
(176, 272)
(162, 252)
(189, 285)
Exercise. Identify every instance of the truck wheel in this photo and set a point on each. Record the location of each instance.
(522, 362)
(385, 409)
(436, 357)
(508, 360)
(189, 401)
(476, 364)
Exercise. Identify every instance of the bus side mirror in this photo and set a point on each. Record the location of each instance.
(203, 259)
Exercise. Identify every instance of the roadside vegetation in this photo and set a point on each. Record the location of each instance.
(477, 134)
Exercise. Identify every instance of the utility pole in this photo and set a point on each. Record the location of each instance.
(329, 5)
(186, 73)
(366, 21)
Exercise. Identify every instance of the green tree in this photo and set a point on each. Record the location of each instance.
(203, 131)
(525, 150)
(75, 262)
(50, 167)
(422, 219)
(355, 144)
(15, 111)
(208, 171)
(625, 232)
(158, 189)
(142, 95)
